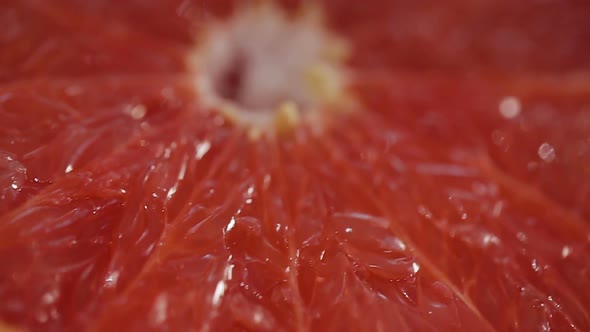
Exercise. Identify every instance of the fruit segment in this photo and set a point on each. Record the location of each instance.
(453, 198)
(51, 128)
(48, 41)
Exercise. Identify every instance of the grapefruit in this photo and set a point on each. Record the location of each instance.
(294, 166)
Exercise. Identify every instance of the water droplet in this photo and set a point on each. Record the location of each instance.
(546, 152)
(219, 291)
(202, 149)
(250, 190)
(497, 209)
(490, 239)
(509, 107)
(167, 153)
(171, 192)
(50, 297)
(14, 186)
(160, 308)
(138, 111)
(566, 251)
(424, 211)
(111, 279)
(231, 224)
(266, 181)
(348, 230)
(69, 168)
(415, 267)
(521, 237)
(258, 317)
(401, 245)
(228, 273)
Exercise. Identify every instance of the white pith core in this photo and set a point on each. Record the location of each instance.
(265, 70)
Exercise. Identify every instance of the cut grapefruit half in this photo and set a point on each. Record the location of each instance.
(294, 166)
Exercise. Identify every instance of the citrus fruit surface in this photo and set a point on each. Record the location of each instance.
(296, 166)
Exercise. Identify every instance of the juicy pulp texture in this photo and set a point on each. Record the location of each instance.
(438, 206)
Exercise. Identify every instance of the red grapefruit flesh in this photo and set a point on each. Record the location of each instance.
(453, 197)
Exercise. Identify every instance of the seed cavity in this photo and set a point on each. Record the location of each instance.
(269, 71)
